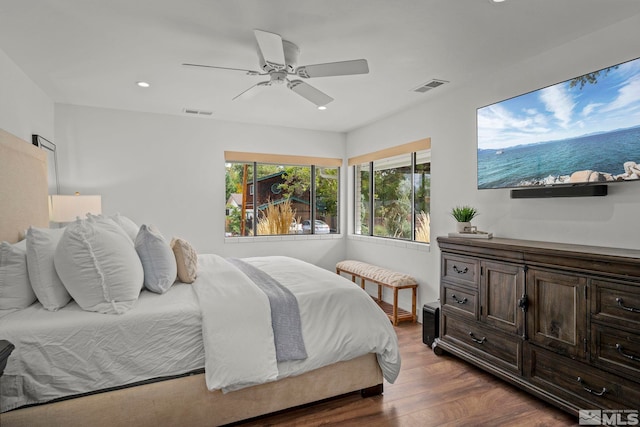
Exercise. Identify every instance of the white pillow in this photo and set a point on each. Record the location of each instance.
(41, 245)
(158, 261)
(127, 225)
(15, 289)
(99, 266)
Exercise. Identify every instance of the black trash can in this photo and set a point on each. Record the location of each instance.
(430, 322)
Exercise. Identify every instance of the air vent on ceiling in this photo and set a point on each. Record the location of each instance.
(431, 84)
(197, 112)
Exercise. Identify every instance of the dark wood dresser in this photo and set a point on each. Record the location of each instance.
(560, 321)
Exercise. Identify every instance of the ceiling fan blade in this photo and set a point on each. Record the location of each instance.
(343, 68)
(252, 91)
(250, 72)
(309, 92)
(270, 45)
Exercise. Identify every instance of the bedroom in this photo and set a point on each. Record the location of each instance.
(174, 162)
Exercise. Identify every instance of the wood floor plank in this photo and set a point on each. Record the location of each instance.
(430, 391)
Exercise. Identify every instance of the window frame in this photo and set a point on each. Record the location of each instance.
(256, 159)
(412, 148)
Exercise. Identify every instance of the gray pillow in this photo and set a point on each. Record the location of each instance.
(158, 261)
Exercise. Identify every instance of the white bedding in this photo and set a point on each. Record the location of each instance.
(339, 322)
(72, 351)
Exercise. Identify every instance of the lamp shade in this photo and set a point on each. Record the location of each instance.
(67, 208)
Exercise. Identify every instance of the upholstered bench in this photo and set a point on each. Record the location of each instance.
(383, 278)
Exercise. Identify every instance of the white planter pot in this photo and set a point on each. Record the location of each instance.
(460, 226)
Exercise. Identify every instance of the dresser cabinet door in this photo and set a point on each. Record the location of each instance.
(556, 318)
(501, 288)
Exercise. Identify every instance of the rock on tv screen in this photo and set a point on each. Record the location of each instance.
(581, 131)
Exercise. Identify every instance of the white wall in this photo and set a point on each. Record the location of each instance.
(24, 108)
(448, 116)
(169, 171)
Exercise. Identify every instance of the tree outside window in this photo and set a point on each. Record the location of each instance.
(285, 200)
(393, 197)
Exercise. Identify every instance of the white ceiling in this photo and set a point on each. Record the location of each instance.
(91, 52)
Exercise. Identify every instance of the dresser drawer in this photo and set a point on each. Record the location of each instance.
(457, 300)
(499, 348)
(616, 303)
(616, 350)
(576, 381)
(461, 270)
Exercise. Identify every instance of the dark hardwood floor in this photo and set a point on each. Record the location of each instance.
(430, 391)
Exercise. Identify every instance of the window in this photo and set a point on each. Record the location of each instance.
(327, 189)
(287, 198)
(392, 194)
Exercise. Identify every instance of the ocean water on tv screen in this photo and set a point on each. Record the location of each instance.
(554, 161)
(580, 130)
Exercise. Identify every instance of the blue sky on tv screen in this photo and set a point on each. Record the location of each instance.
(560, 111)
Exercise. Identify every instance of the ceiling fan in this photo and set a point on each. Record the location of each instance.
(278, 59)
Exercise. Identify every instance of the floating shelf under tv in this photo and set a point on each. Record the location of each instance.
(561, 191)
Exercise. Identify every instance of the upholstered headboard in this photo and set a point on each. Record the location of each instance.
(23, 187)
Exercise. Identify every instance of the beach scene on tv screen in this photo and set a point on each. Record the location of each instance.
(583, 130)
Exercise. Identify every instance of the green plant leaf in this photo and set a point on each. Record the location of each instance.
(464, 213)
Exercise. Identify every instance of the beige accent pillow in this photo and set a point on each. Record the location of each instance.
(187, 260)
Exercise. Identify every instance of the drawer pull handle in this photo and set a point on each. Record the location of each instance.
(628, 356)
(476, 340)
(597, 393)
(460, 271)
(624, 307)
(458, 300)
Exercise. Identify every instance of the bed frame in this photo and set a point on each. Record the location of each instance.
(177, 401)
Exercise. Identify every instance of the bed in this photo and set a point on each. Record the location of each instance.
(152, 365)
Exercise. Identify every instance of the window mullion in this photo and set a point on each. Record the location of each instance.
(413, 197)
(371, 201)
(338, 203)
(254, 220)
(312, 196)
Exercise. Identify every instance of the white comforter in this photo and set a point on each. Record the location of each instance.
(72, 351)
(339, 322)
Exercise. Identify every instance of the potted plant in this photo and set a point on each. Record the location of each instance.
(463, 215)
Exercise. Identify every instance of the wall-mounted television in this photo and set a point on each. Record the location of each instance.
(585, 130)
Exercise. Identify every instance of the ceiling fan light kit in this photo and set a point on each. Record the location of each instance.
(278, 59)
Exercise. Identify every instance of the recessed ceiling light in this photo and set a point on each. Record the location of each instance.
(143, 84)
(497, 1)
(322, 107)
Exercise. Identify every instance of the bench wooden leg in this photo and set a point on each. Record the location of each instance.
(379, 292)
(395, 306)
(413, 305)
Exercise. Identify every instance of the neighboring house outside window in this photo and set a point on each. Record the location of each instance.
(392, 196)
(281, 198)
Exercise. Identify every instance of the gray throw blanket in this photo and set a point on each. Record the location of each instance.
(285, 314)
